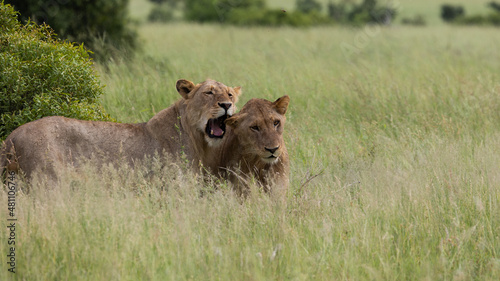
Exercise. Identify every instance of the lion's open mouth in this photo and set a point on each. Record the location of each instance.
(216, 127)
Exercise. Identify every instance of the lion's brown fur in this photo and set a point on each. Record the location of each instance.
(259, 125)
(51, 141)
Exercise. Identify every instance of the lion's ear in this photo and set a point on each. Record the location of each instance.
(184, 87)
(237, 91)
(281, 104)
(232, 121)
(235, 120)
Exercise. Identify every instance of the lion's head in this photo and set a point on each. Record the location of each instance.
(208, 105)
(259, 128)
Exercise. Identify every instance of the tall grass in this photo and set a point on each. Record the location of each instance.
(394, 158)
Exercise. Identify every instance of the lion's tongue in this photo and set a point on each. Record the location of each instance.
(215, 129)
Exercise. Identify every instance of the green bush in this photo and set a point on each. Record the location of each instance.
(43, 76)
(273, 17)
(495, 6)
(217, 10)
(103, 25)
(365, 12)
(247, 13)
(493, 18)
(451, 12)
(308, 6)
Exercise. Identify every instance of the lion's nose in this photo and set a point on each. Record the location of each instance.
(272, 150)
(225, 105)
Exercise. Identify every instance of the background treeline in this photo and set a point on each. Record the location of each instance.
(456, 14)
(257, 13)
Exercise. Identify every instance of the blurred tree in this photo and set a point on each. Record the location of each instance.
(338, 12)
(102, 25)
(494, 5)
(216, 10)
(308, 6)
(368, 11)
(451, 12)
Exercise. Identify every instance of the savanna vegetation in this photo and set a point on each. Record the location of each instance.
(103, 26)
(457, 14)
(43, 76)
(393, 135)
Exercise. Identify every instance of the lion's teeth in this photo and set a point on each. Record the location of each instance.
(211, 132)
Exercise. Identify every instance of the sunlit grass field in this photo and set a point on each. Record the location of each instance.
(394, 140)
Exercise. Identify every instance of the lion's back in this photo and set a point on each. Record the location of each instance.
(56, 139)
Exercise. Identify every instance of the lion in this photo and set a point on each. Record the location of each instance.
(254, 146)
(192, 128)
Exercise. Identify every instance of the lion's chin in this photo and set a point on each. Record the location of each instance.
(270, 160)
(213, 142)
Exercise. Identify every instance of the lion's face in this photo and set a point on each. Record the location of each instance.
(208, 105)
(259, 128)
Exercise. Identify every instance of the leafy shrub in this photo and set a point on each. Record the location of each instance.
(368, 11)
(101, 24)
(216, 10)
(495, 6)
(274, 17)
(451, 12)
(43, 76)
(307, 13)
(493, 18)
(247, 13)
(308, 6)
(171, 3)
(338, 12)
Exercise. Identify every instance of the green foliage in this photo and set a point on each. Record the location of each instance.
(103, 25)
(274, 17)
(216, 10)
(43, 76)
(171, 3)
(163, 10)
(451, 12)
(490, 19)
(308, 6)
(493, 18)
(248, 13)
(495, 6)
(367, 11)
(307, 13)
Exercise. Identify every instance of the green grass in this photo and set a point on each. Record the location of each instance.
(404, 134)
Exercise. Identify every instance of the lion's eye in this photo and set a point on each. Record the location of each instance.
(255, 128)
(230, 95)
(209, 93)
(276, 123)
